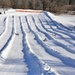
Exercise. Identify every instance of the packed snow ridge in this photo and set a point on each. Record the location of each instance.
(36, 43)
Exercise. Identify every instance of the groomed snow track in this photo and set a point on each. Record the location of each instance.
(35, 44)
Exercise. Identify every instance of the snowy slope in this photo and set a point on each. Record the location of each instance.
(36, 44)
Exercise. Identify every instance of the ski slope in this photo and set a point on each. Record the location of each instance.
(36, 44)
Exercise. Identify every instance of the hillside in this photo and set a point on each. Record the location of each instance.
(36, 43)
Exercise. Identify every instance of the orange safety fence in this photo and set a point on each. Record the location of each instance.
(33, 11)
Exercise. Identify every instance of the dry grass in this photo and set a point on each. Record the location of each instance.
(68, 9)
(64, 9)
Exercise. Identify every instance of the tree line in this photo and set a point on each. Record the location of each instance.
(49, 5)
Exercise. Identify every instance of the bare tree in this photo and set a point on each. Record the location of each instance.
(14, 3)
(38, 4)
(50, 5)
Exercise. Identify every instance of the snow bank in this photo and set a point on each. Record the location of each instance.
(64, 19)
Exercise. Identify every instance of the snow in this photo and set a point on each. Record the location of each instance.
(67, 20)
(36, 43)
